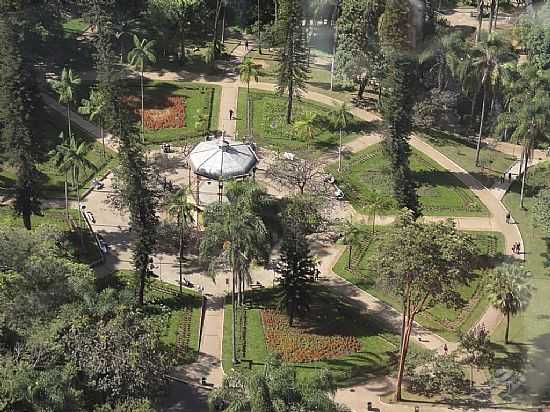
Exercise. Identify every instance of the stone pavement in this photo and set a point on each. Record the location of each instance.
(115, 231)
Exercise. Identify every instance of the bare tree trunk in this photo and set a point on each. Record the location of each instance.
(67, 196)
(479, 20)
(349, 256)
(142, 109)
(234, 334)
(69, 121)
(523, 178)
(506, 333)
(102, 134)
(289, 103)
(402, 358)
(478, 149)
(340, 152)
(496, 14)
(181, 254)
(491, 16)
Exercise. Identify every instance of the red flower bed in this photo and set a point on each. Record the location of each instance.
(168, 112)
(295, 344)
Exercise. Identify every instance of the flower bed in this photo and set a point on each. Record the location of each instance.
(295, 344)
(168, 112)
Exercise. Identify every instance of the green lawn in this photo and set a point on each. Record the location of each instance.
(74, 26)
(440, 319)
(530, 330)
(269, 126)
(493, 164)
(71, 241)
(368, 172)
(331, 314)
(177, 316)
(51, 180)
(196, 97)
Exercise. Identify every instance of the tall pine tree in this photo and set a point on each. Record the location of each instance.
(297, 272)
(397, 101)
(18, 97)
(142, 198)
(292, 71)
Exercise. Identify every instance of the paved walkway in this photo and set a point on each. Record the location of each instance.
(114, 228)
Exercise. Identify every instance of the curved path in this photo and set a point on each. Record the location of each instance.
(355, 397)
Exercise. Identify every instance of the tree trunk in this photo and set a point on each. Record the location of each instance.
(340, 152)
(334, 40)
(102, 134)
(69, 119)
(142, 109)
(234, 336)
(290, 102)
(67, 196)
(79, 208)
(524, 178)
(491, 16)
(496, 14)
(506, 333)
(362, 86)
(474, 101)
(479, 20)
(141, 288)
(373, 220)
(216, 20)
(259, 31)
(478, 149)
(248, 107)
(402, 358)
(223, 25)
(181, 253)
(349, 256)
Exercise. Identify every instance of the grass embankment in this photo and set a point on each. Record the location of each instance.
(442, 320)
(492, 165)
(269, 128)
(332, 316)
(368, 173)
(529, 330)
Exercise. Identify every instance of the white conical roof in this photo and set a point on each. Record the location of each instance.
(219, 159)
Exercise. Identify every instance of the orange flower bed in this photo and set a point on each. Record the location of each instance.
(295, 344)
(169, 112)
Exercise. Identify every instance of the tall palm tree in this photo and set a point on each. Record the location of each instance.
(142, 54)
(238, 236)
(340, 117)
(65, 89)
(124, 29)
(248, 71)
(354, 235)
(180, 207)
(528, 115)
(94, 107)
(488, 55)
(59, 156)
(509, 291)
(306, 127)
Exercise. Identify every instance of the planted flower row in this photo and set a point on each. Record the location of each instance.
(295, 344)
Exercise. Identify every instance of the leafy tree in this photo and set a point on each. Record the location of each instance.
(297, 272)
(95, 107)
(237, 236)
(276, 388)
(534, 35)
(394, 26)
(340, 118)
(248, 71)
(302, 213)
(292, 70)
(306, 127)
(476, 347)
(59, 156)
(432, 374)
(376, 203)
(180, 207)
(121, 357)
(424, 265)
(397, 105)
(142, 54)
(540, 210)
(302, 174)
(509, 290)
(66, 88)
(18, 131)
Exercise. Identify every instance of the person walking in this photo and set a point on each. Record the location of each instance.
(445, 349)
(510, 176)
(231, 114)
(508, 217)
(246, 45)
